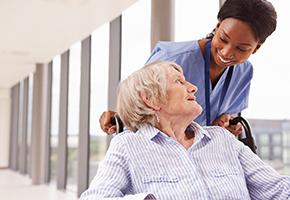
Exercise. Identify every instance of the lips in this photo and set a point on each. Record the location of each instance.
(191, 98)
(223, 60)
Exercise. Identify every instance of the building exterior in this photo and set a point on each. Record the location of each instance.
(272, 139)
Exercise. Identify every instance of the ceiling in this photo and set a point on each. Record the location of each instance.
(34, 31)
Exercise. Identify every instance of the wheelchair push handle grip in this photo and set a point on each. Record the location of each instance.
(249, 140)
(116, 120)
(235, 120)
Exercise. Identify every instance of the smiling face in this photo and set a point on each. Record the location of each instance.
(233, 43)
(180, 99)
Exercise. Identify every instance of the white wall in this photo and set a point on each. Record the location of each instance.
(5, 104)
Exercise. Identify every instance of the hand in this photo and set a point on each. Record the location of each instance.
(105, 122)
(224, 121)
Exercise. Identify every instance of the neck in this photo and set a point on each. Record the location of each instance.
(175, 128)
(215, 73)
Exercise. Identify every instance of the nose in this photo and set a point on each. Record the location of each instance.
(227, 52)
(191, 88)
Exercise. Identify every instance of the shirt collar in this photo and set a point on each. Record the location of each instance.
(150, 131)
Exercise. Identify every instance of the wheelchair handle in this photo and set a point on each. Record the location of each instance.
(116, 120)
(249, 140)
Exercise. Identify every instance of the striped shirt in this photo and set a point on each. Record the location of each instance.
(150, 165)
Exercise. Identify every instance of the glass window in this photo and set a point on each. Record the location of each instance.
(54, 118)
(277, 152)
(286, 139)
(276, 139)
(264, 139)
(135, 37)
(20, 127)
(29, 122)
(260, 105)
(99, 95)
(264, 152)
(188, 19)
(286, 156)
(73, 115)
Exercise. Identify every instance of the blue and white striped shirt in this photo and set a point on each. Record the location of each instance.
(150, 165)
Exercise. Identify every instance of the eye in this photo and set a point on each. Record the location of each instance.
(241, 49)
(223, 39)
(179, 81)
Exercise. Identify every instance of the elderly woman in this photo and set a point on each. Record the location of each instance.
(164, 155)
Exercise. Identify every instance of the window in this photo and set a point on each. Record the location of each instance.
(264, 139)
(194, 20)
(286, 156)
(276, 139)
(286, 139)
(135, 37)
(99, 95)
(54, 118)
(268, 64)
(277, 152)
(264, 152)
(29, 121)
(73, 115)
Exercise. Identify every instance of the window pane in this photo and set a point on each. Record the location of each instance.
(29, 122)
(260, 105)
(73, 115)
(286, 156)
(286, 139)
(135, 37)
(277, 139)
(264, 139)
(20, 132)
(188, 19)
(54, 118)
(264, 152)
(99, 95)
(277, 151)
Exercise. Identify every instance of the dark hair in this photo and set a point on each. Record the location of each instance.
(260, 15)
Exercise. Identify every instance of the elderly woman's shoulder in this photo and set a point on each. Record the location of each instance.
(125, 135)
(217, 131)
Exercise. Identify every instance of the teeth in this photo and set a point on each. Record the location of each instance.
(225, 61)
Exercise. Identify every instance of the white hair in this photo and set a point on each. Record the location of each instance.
(151, 80)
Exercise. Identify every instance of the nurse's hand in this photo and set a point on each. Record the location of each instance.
(105, 122)
(224, 121)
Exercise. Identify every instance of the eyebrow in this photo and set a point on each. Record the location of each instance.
(180, 76)
(243, 44)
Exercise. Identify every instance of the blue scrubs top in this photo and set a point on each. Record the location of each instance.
(189, 56)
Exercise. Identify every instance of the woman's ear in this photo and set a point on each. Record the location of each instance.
(148, 101)
(217, 25)
(257, 47)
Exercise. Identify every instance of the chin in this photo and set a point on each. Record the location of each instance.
(196, 112)
(198, 108)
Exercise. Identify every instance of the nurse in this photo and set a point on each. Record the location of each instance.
(218, 64)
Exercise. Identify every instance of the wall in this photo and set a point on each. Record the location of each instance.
(4, 126)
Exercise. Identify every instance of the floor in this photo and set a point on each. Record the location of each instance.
(14, 186)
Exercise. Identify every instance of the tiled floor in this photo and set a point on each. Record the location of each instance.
(14, 186)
